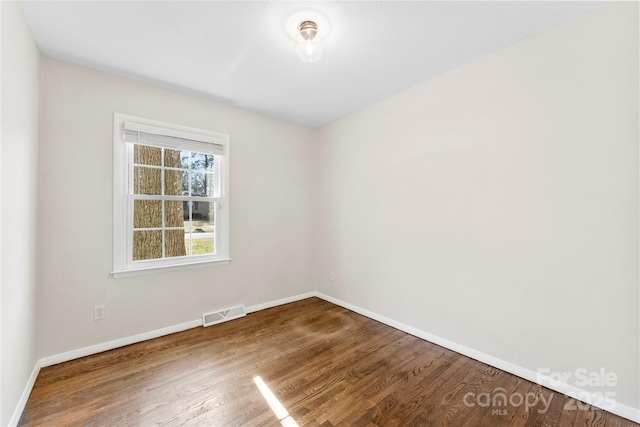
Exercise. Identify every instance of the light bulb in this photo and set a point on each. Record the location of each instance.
(308, 50)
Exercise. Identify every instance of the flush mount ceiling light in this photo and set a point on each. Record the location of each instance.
(309, 49)
(308, 30)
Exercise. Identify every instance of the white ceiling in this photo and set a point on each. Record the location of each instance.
(238, 52)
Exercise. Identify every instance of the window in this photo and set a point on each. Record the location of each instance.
(170, 196)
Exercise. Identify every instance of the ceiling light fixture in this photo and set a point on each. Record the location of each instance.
(309, 46)
(308, 30)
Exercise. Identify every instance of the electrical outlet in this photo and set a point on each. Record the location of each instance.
(98, 312)
(332, 276)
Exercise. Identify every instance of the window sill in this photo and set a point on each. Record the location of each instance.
(152, 270)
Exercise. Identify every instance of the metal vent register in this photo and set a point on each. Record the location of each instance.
(223, 315)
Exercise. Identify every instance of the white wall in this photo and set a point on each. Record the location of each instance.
(271, 224)
(19, 207)
(496, 206)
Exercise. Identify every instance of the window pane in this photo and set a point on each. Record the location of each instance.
(203, 214)
(198, 184)
(175, 213)
(186, 206)
(147, 245)
(175, 243)
(146, 180)
(210, 185)
(202, 245)
(147, 214)
(176, 158)
(202, 228)
(146, 155)
(176, 183)
(201, 161)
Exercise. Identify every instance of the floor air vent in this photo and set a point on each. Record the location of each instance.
(224, 315)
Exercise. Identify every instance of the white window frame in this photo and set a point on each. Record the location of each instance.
(123, 265)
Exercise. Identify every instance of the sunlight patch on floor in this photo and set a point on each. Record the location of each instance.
(275, 405)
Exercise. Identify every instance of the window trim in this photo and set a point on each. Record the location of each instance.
(122, 266)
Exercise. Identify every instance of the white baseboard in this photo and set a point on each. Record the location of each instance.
(17, 413)
(121, 342)
(624, 411)
(282, 301)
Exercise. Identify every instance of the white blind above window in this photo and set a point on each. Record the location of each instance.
(138, 133)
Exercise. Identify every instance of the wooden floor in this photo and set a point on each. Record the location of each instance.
(326, 366)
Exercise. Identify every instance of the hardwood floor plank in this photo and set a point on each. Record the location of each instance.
(327, 366)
